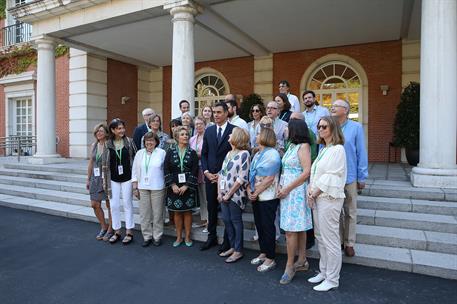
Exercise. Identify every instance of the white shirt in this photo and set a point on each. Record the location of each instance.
(222, 127)
(239, 122)
(153, 179)
(294, 103)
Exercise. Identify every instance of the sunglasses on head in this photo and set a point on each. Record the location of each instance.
(323, 127)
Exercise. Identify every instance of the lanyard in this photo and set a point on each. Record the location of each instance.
(98, 155)
(344, 126)
(321, 154)
(119, 154)
(147, 160)
(283, 115)
(196, 144)
(181, 158)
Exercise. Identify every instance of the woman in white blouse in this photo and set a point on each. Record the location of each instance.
(325, 197)
(148, 186)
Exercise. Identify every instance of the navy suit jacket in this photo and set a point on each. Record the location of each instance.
(138, 134)
(213, 154)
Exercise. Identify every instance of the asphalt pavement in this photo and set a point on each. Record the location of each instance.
(49, 259)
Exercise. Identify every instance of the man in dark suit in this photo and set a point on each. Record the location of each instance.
(143, 128)
(215, 148)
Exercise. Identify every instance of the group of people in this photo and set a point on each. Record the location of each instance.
(298, 170)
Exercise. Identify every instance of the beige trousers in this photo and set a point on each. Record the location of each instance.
(203, 202)
(348, 219)
(326, 215)
(151, 213)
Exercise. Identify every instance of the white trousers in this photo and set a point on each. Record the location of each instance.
(326, 229)
(115, 203)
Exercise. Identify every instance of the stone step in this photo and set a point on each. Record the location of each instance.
(402, 189)
(407, 238)
(408, 220)
(44, 184)
(418, 261)
(64, 177)
(78, 168)
(407, 205)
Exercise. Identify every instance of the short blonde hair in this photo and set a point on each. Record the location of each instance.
(266, 121)
(335, 130)
(101, 125)
(179, 129)
(267, 137)
(240, 138)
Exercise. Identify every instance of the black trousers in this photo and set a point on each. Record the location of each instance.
(213, 206)
(264, 218)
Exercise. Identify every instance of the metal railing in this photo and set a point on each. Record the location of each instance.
(22, 145)
(16, 33)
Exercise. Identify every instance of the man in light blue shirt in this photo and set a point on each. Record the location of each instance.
(313, 111)
(357, 172)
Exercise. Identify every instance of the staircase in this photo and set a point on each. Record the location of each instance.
(399, 227)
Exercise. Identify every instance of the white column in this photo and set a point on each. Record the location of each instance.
(438, 104)
(46, 100)
(182, 82)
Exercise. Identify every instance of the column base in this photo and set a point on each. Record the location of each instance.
(434, 178)
(45, 159)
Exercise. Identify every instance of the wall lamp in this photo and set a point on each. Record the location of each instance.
(124, 99)
(384, 88)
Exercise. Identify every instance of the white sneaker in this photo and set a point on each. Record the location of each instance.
(205, 230)
(317, 278)
(325, 286)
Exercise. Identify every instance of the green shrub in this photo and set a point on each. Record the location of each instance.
(406, 124)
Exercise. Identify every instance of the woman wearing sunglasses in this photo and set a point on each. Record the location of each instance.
(256, 113)
(325, 197)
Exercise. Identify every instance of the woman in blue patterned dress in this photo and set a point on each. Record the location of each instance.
(181, 172)
(295, 214)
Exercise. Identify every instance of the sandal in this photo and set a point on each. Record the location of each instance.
(227, 253)
(128, 238)
(257, 261)
(232, 259)
(265, 268)
(100, 235)
(287, 278)
(115, 238)
(301, 267)
(107, 236)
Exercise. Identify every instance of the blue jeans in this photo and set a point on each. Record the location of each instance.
(231, 215)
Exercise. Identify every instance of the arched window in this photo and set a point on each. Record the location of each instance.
(209, 88)
(337, 80)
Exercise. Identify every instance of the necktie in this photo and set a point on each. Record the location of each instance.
(219, 135)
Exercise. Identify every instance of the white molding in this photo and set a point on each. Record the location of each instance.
(15, 78)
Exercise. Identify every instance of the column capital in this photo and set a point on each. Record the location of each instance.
(183, 10)
(44, 42)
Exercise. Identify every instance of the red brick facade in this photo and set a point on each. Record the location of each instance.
(122, 81)
(382, 62)
(239, 73)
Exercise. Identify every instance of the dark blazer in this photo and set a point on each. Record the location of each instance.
(138, 134)
(213, 154)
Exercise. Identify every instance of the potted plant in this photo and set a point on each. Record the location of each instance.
(406, 125)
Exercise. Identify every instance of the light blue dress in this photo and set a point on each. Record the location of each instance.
(295, 213)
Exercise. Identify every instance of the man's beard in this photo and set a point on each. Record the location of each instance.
(231, 114)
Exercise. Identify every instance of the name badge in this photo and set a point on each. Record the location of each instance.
(146, 180)
(182, 178)
(96, 172)
(222, 185)
(120, 169)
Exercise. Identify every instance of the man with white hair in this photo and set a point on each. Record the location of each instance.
(357, 172)
(143, 128)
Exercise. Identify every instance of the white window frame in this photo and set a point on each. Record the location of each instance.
(205, 72)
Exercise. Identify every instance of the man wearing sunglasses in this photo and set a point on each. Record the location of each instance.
(357, 172)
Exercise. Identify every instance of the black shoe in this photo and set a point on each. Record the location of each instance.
(223, 248)
(208, 244)
(146, 243)
(157, 242)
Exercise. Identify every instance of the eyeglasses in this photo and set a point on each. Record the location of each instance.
(255, 110)
(323, 127)
(272, 108)
(338, 106)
